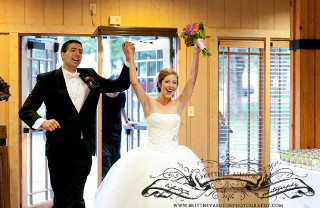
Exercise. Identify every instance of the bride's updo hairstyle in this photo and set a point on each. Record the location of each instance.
(162, 74)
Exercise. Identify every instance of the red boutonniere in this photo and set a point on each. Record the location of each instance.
(89, 79)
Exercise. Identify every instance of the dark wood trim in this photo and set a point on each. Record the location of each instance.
(4, 178)
(3, 135)
(137, 31)
(310, 44)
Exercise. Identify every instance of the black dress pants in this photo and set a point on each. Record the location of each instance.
(68, 175)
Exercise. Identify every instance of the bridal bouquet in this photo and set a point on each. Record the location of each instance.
(191, 35)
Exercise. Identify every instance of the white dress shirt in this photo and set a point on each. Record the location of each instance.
(77, 89)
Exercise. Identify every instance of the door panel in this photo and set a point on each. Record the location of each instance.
(38, 56)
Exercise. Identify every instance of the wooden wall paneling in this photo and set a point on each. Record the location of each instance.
(213, 100)
(105, 12)
(186, 72)
(182, 71)
(249, 14)
(164, 13)
(307, 71)
(317, 99)
(13, 124)
(303, 88)
(147, 13)
(282, 18)
(129, 13)
(266, 14)
(199, 123)
(15, 12)
(89, 20)
(266, 124)
(310, 21)
(4, 73)
(198, 10)
(295, 18)
(53, 12)
(216, 16)
(232, 14)
(317, 77)
(73, 13)
(2, 11)
(180, 14)
(317, 22)
(208, 94)
(34, 12)
(294, 99)
(293, 80)
(109, 8)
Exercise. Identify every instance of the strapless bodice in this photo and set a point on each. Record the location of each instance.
(163, 131)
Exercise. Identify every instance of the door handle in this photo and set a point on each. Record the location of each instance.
(26, 130)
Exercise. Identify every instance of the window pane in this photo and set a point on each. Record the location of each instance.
(279, 101)
(43, 66)
(50, 54)
(151, 86)
(152, 68)
(240, 109)
(35, 67)
(160, 54)
(38, 53)
(142, 69)
(148, 55)
(143, 83)
(160, 66)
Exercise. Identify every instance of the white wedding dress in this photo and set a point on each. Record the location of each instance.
(162, 175)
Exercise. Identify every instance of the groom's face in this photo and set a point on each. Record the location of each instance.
(72, 57)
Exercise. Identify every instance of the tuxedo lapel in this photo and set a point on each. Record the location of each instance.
(61, 84)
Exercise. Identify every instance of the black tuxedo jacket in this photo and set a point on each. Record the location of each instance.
(51, 89)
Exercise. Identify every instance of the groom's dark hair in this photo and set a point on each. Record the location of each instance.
(64, 47)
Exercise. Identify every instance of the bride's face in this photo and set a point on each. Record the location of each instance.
(169, 85)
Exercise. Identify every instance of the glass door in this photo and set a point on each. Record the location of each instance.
(41, 55)
(152, 54)
(38, 56)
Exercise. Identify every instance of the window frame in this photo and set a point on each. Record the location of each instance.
(245, 43)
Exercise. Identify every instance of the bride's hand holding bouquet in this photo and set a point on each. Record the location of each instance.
(192, 35)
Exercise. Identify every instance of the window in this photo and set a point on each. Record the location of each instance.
(279, 97)
(241, 106)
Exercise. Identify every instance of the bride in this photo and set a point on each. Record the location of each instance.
(164, 174)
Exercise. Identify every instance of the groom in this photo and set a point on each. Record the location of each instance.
(70, 95)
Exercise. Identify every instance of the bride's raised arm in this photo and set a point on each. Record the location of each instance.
(188, 88)
(143, 97)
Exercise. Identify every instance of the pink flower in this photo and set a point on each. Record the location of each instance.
(89, 79)
(189, 30)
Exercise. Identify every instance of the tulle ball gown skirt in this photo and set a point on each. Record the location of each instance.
(146, 178)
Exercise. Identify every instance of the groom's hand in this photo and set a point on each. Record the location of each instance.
(50, 125)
